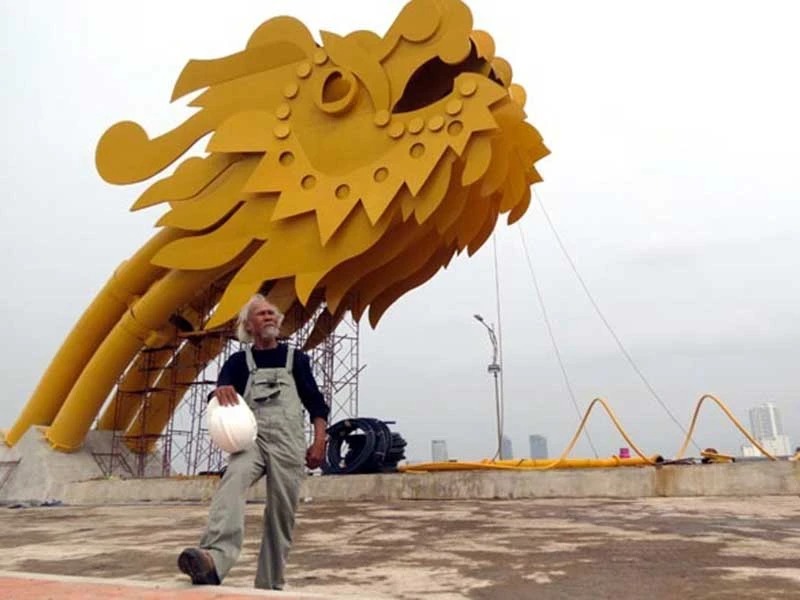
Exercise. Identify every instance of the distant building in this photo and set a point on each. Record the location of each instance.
(538, 445)
(777, 446)
(765, 421)
(439, 450)
(767, 428)
(506, 452)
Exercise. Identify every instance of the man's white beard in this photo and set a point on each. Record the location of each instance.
(270, 332)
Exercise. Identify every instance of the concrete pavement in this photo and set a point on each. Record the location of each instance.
(37, 586)
(658, 548)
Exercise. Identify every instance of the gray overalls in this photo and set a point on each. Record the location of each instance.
(279, 453)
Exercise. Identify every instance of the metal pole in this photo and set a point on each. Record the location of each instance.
(497, 410)
(494, 369)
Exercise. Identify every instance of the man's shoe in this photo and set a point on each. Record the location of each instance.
(198, 564)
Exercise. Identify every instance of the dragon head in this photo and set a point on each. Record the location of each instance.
(347, 172)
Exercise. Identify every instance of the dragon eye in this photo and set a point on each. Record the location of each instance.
(335, 87)
(337, 91)
(434, 80)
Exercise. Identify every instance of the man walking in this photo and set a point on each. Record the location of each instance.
(276, 382)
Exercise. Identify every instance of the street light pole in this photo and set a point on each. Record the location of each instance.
(494, 370)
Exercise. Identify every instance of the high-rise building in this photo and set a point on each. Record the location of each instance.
(777, 446)
(506, 452)
(765, 421)
(767, 428)
(439, 450)
(538, 445)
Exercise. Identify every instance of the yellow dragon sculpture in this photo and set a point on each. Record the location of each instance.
(339, 174)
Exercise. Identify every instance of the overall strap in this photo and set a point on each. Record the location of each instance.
(251, 368)
(251, 362)
(289, 358)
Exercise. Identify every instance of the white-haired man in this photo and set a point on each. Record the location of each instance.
(277, 383)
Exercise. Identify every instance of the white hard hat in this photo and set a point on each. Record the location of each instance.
(232, 428)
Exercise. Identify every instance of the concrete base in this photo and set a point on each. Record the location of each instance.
(738, 479)
(33, 472)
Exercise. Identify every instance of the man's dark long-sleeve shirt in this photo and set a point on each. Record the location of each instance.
(235, 372)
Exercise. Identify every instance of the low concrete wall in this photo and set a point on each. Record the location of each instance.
(738, 479)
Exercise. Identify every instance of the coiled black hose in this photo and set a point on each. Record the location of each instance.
(371, 447)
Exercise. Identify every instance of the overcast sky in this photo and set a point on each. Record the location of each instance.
(673, 183)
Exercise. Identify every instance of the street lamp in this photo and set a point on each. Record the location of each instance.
(494, 369)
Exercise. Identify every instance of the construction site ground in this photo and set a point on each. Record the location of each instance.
(702, 547)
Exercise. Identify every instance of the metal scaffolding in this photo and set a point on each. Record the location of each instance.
(191, 450)
(336, 364)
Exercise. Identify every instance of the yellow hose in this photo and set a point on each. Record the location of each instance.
(562, 462)
(728, 414)
(530, 464)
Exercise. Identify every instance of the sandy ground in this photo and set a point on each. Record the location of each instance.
(648, 548)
